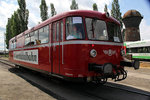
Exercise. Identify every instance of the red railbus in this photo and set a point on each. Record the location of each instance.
(78, 44)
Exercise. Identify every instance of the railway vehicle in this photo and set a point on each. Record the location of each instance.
(140, 50)
(75, 45)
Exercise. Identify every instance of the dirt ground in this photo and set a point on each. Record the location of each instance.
(12, 87)
(145, 64)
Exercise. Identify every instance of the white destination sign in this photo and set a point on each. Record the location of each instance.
(29, 56)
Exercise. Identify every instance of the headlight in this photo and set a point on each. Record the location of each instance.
(93, 53)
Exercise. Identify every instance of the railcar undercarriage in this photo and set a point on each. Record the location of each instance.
(116, 73)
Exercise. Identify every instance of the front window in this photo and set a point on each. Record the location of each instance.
(74, 28)
(96, 29)
(100, 30)
(114, 32)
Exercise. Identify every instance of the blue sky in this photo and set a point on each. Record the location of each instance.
(7, 7)
(141, 5)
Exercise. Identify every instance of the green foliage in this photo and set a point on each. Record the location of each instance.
(43, 9)
(95, 7)
(74, 5)
(23, 15)
(115, 12)
(8, 33)
(53, 11)
(105, 9)
(17, 23)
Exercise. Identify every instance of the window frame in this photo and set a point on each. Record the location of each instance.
(54, 31)
(43, 32)
(93, 30)
(27, 35)
(84, 30)
(57, 31)
(61, 29)
(121, 36)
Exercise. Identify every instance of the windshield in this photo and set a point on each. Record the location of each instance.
(114, 32)
(74, 28)
(96, 29)
(100, 30)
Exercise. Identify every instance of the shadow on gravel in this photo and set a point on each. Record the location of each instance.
(20, 71)
(64, 90)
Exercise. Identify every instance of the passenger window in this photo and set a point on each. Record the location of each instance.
(74, 28)
(27, 39)
(61, 31)
(32, 38)
(57, 34)
(36, 40)
(53, 31)
(44, 35)
(11, 45)
(14, 44)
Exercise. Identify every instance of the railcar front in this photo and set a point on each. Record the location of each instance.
(93, 49)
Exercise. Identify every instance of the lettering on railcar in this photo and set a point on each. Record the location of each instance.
(29, 56)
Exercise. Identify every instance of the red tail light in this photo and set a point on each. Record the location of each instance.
(124, 49)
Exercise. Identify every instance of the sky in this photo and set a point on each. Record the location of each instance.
(7, 7)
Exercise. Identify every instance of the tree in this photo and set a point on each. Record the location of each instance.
(95, 7)
(105, 9)
(43, 9)
(8, 32)
(18, 22)
(15, 24)
(74, 5)
(115, 12)
(23, 15)
(12, 26)
(53, 11)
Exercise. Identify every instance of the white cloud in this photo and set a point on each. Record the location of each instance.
(60, 6)
(1, 40)
(144, 30)
(6, 10)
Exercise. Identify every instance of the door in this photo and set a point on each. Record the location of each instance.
(56, 48)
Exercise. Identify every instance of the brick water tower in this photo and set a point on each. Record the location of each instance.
(132, 20)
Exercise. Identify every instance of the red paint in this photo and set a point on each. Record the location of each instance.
(70, 59)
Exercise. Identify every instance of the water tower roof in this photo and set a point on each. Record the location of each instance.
(131, 13)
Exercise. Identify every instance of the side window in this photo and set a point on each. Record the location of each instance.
(61, 31)
(54, 31)
(74, 28)
(57, 32)
(32, 38)
(27, 39)
(36, 40)
(12, 44)
(15, 43)
(44, 34)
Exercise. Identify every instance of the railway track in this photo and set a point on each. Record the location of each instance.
(63, 90)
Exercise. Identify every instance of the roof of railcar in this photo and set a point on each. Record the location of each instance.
(86, 13)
